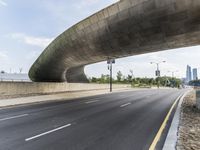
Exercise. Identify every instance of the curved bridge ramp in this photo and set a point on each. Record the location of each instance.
(126, 28)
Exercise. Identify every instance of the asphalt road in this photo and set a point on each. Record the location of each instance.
(118, 121)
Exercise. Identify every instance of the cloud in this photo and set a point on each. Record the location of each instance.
(4, 60)
(176, 59)
(31, 40)
(3, 55)
(70, 12)
(87, 3)
(32, 55)
(3, 3)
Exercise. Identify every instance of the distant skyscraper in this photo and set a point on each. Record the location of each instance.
(188, 74)
(194, 72)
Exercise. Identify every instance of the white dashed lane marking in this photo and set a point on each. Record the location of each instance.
(13, 117)
(48, 132)
(124, 105)
(89, 102)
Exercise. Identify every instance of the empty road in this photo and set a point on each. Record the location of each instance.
(118, 121)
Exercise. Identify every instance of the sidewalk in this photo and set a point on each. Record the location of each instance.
(58, 96)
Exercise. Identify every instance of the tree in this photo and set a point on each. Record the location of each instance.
(195, 83)
(104, 78)
(142, 82)
(2, 72)
(94, 80)
(129, 78)
(131, 71)
(151, 81)
(119, 76)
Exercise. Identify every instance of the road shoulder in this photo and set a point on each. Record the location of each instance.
(172, 136)
(55, 97)
(189, 128)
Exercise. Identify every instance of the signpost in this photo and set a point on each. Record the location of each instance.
(158, 71)
(110, 62)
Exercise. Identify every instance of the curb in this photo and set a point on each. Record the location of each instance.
(172, 136)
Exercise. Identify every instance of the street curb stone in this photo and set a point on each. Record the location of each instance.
(172, 136)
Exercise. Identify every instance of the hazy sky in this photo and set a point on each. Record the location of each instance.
(27, 27)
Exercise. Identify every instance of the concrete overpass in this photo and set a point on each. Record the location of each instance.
(128, 27)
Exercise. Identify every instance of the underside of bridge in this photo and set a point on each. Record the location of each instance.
(126, 28)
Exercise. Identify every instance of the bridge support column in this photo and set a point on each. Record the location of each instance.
(76, 75)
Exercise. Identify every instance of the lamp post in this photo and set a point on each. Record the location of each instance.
(110, 62)
(173, 73)
(158, 71)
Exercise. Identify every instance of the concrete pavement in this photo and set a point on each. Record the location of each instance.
(119, 121)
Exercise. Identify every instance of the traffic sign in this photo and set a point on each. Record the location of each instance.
(158, 73)
(111, 61)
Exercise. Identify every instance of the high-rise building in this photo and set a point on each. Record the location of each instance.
(188, 74)
(194, 72)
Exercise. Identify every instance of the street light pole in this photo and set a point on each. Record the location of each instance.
(110, 62)
(157, 66)
(158, 71)
(173, 73)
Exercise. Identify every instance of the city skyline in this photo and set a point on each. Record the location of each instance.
(188, 74)
(195, 74)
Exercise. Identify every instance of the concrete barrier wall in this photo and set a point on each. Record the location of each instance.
(24, 88)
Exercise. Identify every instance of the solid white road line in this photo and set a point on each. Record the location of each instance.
(14, 117)
(91, 101)
(124, 105)
(48, 132)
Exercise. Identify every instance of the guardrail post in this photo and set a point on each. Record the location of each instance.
(198, 98)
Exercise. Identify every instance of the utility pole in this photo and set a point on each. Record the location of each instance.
(173, 73)
(131, 71)
(20, 70)
(110, 62)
